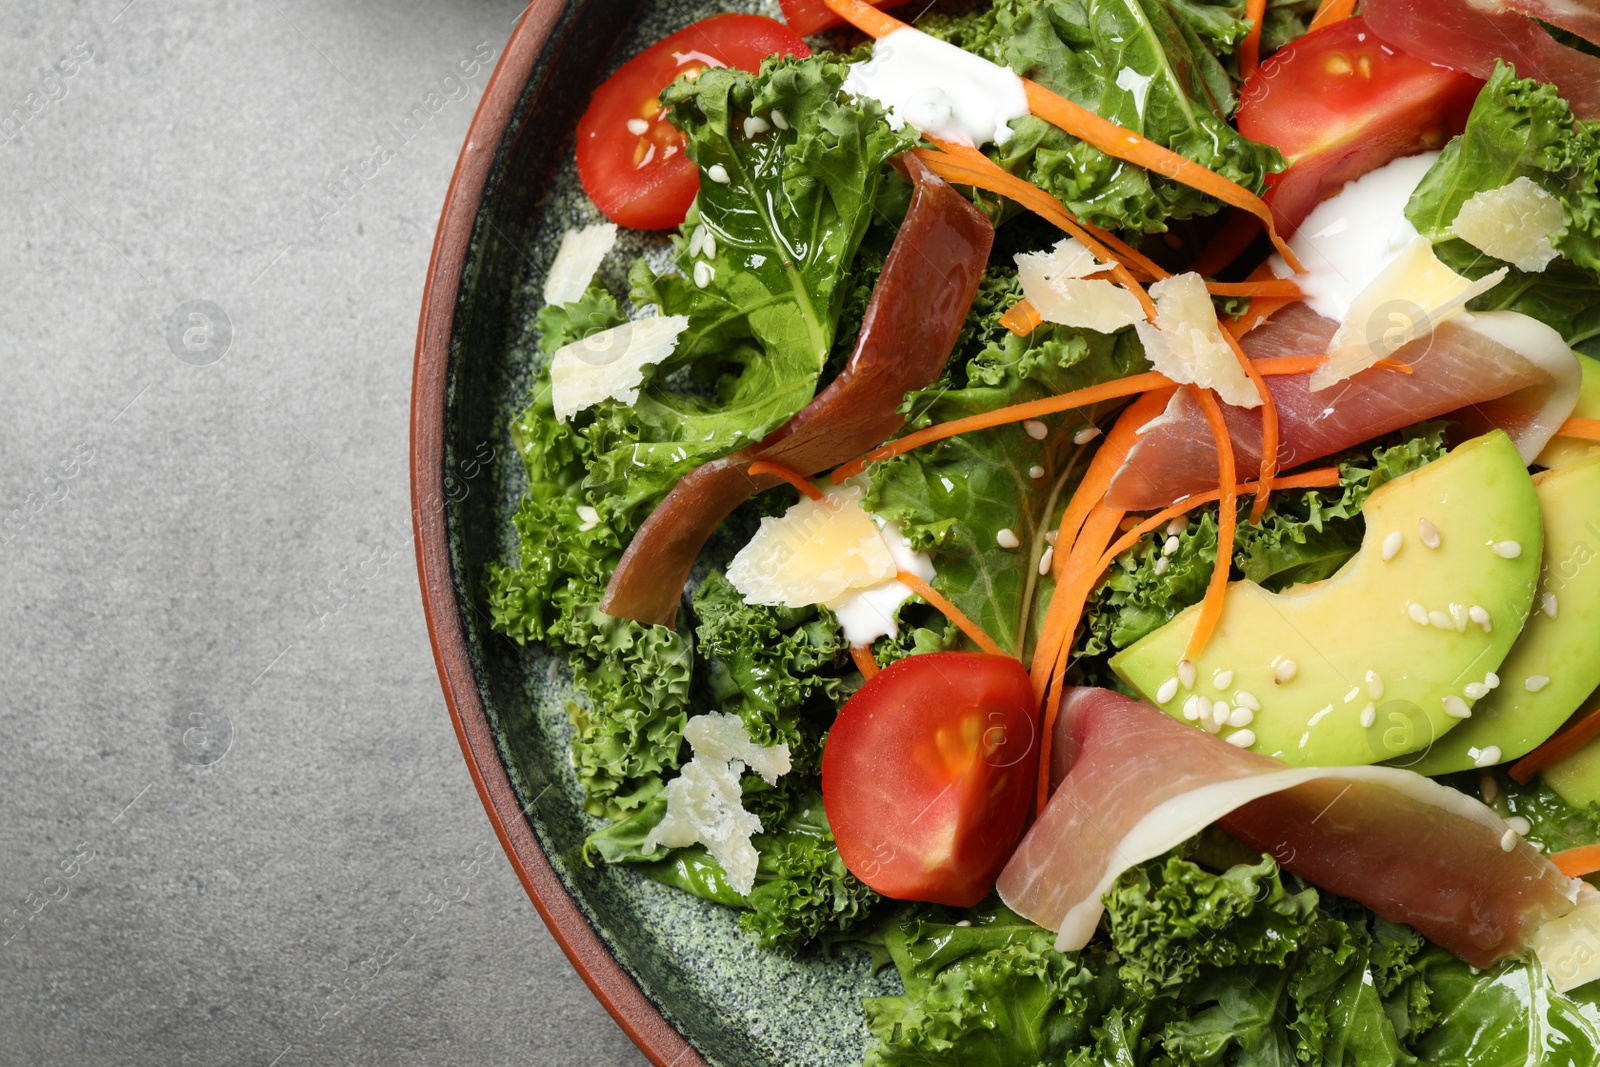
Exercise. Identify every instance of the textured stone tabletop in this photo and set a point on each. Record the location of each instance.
(235, 825)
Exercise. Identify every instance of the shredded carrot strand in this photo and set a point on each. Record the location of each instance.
(1033, 409)
(1227, 519)
(1332, 11)
(1116, 141)
(1396, 365)
(1577, 862)
(1320, 478)
(1587, 429)
(1273, 366)
(1273, 287)
(951, 612)
(1250, 48)
(1269, 427)
(1021, 318)
(1261, 308)
(1238, 233)
(794, 478)
(865, 662)
(1124, 144)
(1567, 743)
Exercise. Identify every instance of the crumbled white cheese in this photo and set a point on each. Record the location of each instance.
(939, 89)
(1186, 344)
(611, 363)
(577, 259)
(1514, 222)
(1406, 300)
(704, 803)
(818, 551)
(1056, 283)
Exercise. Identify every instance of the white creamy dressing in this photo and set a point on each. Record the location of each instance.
(1350, 237)
(868, 614)
(939, 89)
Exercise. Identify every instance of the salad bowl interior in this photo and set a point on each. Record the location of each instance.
(679, 975)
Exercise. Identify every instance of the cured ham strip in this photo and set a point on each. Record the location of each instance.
(1134, 783)
(911, 325)
(1470, 35)
(1455, 367)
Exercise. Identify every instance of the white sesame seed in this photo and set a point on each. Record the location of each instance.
(718, 173)
(1519, 824)
(1507, 549)
(1222, 679)
(1177, 525)
(1036, 472)
(1440, 620)
(1036, 429)
(1355, 691)
(1547, 602)
(1168, 690)
(1212, 726)
(755, 125)
(1046, 558)
(638, 127)
(703, 273)
(1428, 532)
(590, 517)
(1284, 671)
(1084, 436)
(1508, 841)
(1220, 712)
(1488, 788)
(1186, 674)
(1418, 613)
(697, 240)
(1480, 615)
(1162, 563)
(1169, 546)
(1241, 717)
(1492, 680)
(1458, 615)
(1475, 690)
(1193, 707)
(1536, 682)
(1456, 708)
(1007, 538)
(1369, 715)
(708, 247)
(1391, 545)
(779, 119)
(1245, 699)
(1374, 685)
(1050, 538)
(1487, 757)
(1242, 738)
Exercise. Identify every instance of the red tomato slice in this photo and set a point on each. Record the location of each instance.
(928, 772)
(1339, 103)
(806, 17)
(631, 160)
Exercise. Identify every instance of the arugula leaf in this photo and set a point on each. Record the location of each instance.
(1147, 65)
(1507, 1016)
(1521, 128)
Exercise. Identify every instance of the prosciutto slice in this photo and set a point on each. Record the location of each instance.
(1455, 367)
(1134, 783)
(917, 309)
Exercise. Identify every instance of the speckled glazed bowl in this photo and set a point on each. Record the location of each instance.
(676, 972)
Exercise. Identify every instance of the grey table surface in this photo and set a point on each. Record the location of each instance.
(235, 825)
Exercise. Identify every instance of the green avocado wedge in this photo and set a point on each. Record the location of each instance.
(1555, 663)
(1576, 779)
(1564, 450)
(1370, 664)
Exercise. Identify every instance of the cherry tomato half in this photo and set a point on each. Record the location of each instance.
(928, 773)
(1339, 103)
(631, 160)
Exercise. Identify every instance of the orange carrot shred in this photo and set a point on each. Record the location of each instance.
(1261, 308)
(1566, 743)
(1275, 365)
(1227, 518)
(1320, 478)
(1269, 287)
(951, 612)
(865, 662)
(794, 478)
(1587, 429)
(1033, 409)
(1397, 365)
(1577, 862)
(1332, 11)
(1021, 318)
(1250, 48)
(1269, 427)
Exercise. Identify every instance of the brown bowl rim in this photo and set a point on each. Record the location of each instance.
(589, 955)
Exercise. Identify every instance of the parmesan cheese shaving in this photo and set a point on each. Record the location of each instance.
(816, 553)
(1186, 344)
(1514, 222)
(1055, 283)
(611, 363)
(577, 259)
(1404, 301)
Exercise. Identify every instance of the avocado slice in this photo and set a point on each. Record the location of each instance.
(1342, 671)
(1558, 652)
(1564, 450)
(1576, 779)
